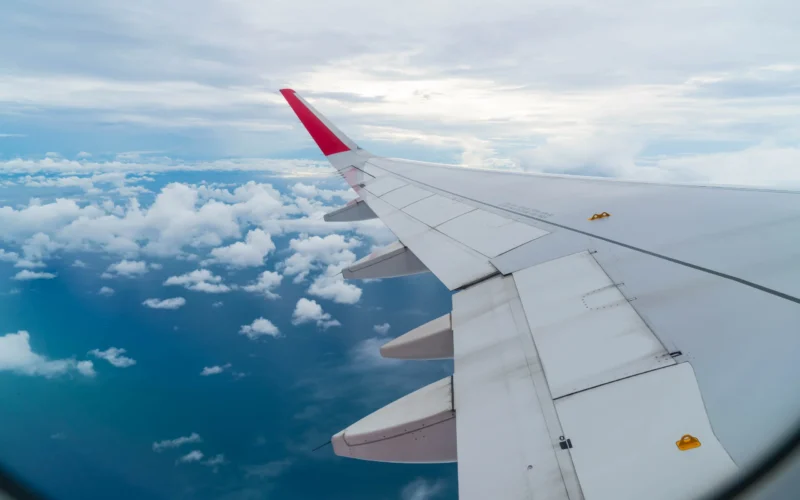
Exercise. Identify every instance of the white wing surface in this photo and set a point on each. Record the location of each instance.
(610, 339)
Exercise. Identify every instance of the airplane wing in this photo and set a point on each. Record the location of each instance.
(610, 339)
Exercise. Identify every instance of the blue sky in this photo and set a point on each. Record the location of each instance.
(158, 196)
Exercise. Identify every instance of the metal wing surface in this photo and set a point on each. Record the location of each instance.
(610, 339)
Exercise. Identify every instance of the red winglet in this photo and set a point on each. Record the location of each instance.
(322, 135)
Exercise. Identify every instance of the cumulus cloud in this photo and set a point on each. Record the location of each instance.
(79, 263)
(216, 304)
(200, 280)
(308, 311)
(106, 291)
(114, 356)
(173, 303)
(86, 368)
(312, 191)
(126, 268)
(334, 288)
(32, 275)
(6, 256)
(331, 254)
(250, 253)
(160, 446)
(17, 356)
(214, 370)
(192, 456)
(265, 284)
(259, 328)
(382, 329)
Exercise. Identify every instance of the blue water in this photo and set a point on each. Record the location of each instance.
(82, 438)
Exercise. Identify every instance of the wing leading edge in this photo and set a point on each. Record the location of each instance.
(585, 347)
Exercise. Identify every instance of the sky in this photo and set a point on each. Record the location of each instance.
(172, 322)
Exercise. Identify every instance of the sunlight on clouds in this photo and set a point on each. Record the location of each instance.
(172, 304)
(308, 311)
(177, 442)
(258, 328)
(16, 355)
(114, 356)
(200, 280)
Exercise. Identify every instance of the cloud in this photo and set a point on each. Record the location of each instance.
(366, 355)
(31, 275)
(422, 489)
(192, 456)
(382, 329)
(259, 328)
(29, 264)
(311, 191)
(173, 303)
(114, 356)
(106, 291)
(17, 356)
(250, 253)
(160, 446)
(127, 268)
(334, 288)
(86, 368)
(268, 470)
(331, 253)
(307, 311)
(200, 280)
(79, 263)
(215, 461)
(214, 370)
(219, 303)
(265, 284)
(6, 256)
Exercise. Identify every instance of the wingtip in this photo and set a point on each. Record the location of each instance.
(287, 91)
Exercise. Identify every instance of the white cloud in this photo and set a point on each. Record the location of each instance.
(382, 329)
(219, 303)
(29, 264)
(79, 263)
(250, 253)
(192, 456)
(32, 275)
(106, 291)
(128, 268)
(259, 328)
(311, 191)
(173, 303)
(6, 256)
(16, 355)
(265, 284)
(214, 370)
(422, 489)
(332, 253)
(200, 280)
(86, 368)
(177, 442)
(334, 288)
(215, 461)
(114, 356)
(307, 311)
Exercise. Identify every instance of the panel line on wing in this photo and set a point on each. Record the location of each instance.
(696, 267)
